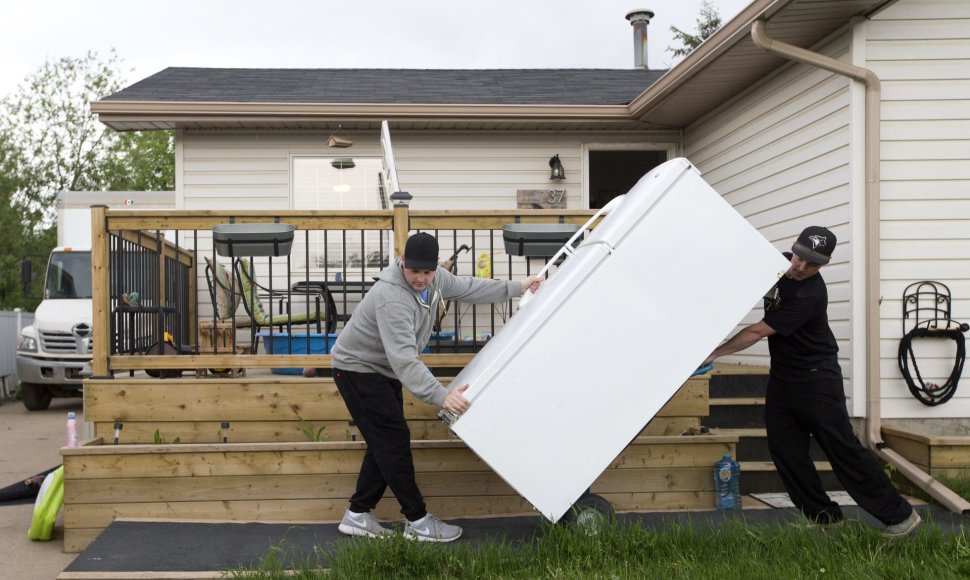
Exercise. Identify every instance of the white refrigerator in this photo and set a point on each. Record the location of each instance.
(612, 334)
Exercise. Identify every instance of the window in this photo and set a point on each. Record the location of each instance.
(69, 275)
(341, 183)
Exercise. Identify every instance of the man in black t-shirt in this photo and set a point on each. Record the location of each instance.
(805, 396)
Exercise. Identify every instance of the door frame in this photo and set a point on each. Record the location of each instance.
(672, 149)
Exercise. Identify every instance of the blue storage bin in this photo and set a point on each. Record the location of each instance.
(445, 337)
(284, 343)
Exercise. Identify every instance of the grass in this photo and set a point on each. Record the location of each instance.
(733, 550)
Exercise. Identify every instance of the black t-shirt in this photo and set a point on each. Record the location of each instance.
(803, 347)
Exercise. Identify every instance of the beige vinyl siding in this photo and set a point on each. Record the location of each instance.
(484, 170)
(442, 170)
(222, 170)
(779, 154)
(921, 52)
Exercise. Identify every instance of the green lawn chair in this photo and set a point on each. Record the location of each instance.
(253, 295)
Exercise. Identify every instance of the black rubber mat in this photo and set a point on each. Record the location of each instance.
(184, 546)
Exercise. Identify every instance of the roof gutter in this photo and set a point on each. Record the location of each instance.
(873, 101)
(722, 40)
(161, 110)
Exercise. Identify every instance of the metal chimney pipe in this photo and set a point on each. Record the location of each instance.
(639, 20)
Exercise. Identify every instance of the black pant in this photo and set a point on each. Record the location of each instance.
(376, 404)
(795, 411)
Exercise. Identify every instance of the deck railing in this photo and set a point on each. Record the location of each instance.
(160, 254)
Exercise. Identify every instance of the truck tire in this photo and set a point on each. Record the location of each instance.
(36, 397)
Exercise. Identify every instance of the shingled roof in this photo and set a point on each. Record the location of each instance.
(393, 86)
(722, 67)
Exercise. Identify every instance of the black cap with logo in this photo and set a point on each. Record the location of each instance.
(815, 244)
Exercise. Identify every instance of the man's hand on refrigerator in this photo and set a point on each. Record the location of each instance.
(531, 283)
(455, 402)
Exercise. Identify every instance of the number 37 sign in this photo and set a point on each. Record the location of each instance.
(541, 198)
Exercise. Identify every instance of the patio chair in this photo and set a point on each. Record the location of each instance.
(254, 293)
(225, 299)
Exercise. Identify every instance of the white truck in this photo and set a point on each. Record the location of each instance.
(53, 351)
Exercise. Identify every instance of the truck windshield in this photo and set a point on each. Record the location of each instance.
(69, 275)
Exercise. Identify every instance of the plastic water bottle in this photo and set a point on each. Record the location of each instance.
(727, 484)
(71, 430)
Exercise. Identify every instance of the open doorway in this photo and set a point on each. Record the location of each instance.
(613, 172)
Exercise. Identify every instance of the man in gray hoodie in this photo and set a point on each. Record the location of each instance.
(376, 353)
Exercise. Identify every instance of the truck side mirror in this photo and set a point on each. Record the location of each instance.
(26, 275)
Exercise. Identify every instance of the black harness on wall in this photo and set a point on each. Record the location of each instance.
(928, 304)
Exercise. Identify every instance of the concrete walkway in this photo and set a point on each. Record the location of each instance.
(29, 444)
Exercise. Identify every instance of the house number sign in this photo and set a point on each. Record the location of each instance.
(541, 198)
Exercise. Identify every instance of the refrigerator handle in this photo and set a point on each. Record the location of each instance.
(567, 248)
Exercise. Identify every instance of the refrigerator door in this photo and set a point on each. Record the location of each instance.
(612, 335)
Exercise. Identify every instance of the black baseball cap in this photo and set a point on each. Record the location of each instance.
(815, 244)
(421, 252)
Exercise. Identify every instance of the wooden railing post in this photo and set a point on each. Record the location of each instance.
(100, 293)
(401, 200)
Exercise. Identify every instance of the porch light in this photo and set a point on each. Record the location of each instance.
(341, 163)
(558, 173)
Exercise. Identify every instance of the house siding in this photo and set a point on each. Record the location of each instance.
(442, 170)
(921, 52)
(780, 154)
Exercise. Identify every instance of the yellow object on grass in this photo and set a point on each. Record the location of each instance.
(50, 498)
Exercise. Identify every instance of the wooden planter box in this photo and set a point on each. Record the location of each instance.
(947, 455)
(269, 472)
(313, 481)
(269, 408)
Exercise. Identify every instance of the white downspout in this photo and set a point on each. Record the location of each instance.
(873, 101)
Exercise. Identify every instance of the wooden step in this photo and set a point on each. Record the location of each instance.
(736, 413)
(761, 477)
(737, 401)
(753, 444)
(756, 466)
(737, 385)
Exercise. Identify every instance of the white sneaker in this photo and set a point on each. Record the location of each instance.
(363, 524)
(903, 528)
(431, 529)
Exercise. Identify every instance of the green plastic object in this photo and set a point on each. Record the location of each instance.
(50, 498)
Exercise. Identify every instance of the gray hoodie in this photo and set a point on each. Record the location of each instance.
(392, 325)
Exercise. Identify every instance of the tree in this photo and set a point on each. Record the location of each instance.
(708, 21)
(141, 161)
(22, 238)
(51, 142)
